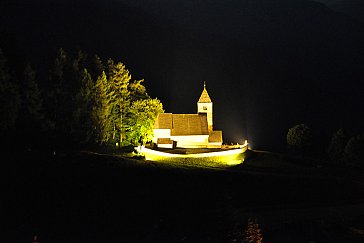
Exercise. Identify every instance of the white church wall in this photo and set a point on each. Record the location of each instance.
(214, 145)
(206, 108)
(161, 133)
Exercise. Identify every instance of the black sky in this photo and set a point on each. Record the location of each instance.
(268, 64)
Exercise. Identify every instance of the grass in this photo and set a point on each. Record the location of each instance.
(88, 197)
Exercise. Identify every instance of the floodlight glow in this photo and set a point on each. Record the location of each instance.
(222, 158)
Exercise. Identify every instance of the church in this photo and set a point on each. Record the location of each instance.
(188, 130)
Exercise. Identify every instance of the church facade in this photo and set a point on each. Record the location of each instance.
(188, 130)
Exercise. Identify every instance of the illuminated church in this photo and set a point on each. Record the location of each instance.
(188, 130)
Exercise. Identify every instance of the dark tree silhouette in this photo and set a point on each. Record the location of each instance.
(76, 107)
(31, 120)
(253, 233)
(354, 150)
(336, 147)
(9, 96)
(299, 138)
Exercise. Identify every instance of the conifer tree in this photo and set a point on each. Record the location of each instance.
(101, 111)
(133, 112)
(80, 62)
(58, 97)
(9, 96)
(253, 233)
(337, 145)
(31, 118)
(354, 150)
(31, 95)
(83, 127)
(119, 78)
(65, 83)
(96, 67)
(137, 90)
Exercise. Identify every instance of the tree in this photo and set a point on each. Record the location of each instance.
(96, 67)
(64, 100)
(299, 138)
(80, 62)
(337, 144)
(83, 124)
(119, 78)
(142, 116)
(57, 98)
(137, 90)
(78, 106)
(253, 233)
(31, 95)
(31, 117)
(354, 150)
(9, 97)
(101, 111)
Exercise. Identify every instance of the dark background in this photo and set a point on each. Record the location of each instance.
(268, 65)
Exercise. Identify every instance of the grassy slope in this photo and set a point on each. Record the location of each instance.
(89, 197)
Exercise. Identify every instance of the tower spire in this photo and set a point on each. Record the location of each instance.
(204, 105)
(204, 98)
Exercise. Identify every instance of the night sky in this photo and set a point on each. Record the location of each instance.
(268, 65)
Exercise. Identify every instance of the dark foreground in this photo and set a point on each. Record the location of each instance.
(80, 197)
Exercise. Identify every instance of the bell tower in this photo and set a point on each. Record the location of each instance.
(204, 105)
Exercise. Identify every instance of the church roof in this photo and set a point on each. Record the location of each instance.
(163, 121)
(204, 98)
(183, 124)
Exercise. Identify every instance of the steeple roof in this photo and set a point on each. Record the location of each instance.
(204, 98)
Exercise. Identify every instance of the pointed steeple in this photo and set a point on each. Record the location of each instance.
(204, 98)
(204, 106)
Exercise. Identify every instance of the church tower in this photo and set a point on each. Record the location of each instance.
(204, 105)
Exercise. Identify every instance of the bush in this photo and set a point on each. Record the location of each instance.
(336, 147)
(354, 150)
(299, 138)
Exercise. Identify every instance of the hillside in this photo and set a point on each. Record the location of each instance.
(353, 8)
(85, 197)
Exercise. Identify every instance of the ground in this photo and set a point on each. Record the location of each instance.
(89, 197)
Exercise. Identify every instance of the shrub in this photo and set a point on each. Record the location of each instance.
(336, 147)
(354, 150)
(299, 138)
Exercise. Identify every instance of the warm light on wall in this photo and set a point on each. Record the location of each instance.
(222, 158)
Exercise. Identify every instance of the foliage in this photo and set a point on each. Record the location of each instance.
(58, 99)
(336, 147)
(32, 103)
(95, 67)
(354, 150)
(141, 117)
(133, 112)
(101, 111)
(299, 138)
(119, 97)
(9, 97)
(31, 121)
(83, 126)
(253, 233)
(82, 103)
